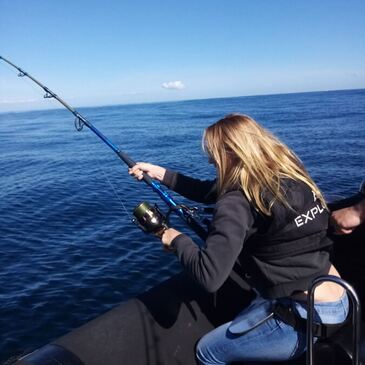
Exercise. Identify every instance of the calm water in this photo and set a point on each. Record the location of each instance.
(69, 251)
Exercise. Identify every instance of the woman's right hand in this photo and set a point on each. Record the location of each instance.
(154, 171)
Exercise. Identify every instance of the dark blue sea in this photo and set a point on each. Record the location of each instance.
(69, 251)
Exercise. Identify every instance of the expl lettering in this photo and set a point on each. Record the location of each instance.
(309, 216)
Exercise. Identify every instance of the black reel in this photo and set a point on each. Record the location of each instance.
(150, 219)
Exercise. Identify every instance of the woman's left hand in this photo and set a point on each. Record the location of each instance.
(168, 236)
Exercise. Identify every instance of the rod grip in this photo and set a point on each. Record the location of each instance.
(130, 163)
(123, 156)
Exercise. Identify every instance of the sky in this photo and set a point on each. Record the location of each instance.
(106, 52)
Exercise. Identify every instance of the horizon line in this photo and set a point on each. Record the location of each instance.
(177, 101)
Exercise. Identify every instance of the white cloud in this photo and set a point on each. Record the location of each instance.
(173, 85)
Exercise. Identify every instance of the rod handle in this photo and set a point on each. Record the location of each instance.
(130, 163)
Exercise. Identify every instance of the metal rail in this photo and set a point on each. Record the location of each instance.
(356, 315)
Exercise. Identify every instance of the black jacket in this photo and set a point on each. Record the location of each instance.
(279, 254)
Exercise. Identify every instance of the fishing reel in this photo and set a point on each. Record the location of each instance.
(150, 219)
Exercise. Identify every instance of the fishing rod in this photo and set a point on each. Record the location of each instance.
(185, 213)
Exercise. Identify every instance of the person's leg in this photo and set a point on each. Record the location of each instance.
(272, 340)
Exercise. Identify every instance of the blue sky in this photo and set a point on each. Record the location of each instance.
(116, 52)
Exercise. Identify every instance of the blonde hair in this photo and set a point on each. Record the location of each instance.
(249, 156)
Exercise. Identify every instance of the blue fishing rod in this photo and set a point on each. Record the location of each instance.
(185, 213)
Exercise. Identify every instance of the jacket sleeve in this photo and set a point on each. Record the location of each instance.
(211, 265)
(202, 191)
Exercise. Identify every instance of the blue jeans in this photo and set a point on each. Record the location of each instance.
(272, 340)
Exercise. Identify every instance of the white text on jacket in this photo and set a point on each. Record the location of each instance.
(309, 216)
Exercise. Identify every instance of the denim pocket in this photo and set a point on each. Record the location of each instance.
(258, 312)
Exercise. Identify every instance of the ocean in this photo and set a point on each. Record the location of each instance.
(69, 251)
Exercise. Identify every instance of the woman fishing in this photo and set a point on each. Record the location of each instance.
(271, 217)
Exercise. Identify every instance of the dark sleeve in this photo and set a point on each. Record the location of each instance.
(202, 191)
(210, 266)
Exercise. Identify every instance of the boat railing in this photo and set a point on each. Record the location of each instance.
(355, 316)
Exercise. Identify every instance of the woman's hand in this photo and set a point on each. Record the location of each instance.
(154, 171)
(168, 236)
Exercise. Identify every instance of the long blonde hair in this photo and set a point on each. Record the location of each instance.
(249, 156)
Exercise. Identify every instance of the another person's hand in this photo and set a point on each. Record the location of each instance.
(347, 219)
(154, 171)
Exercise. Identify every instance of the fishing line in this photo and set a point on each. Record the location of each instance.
(186, 214)
(116, 193)
(32, 90)
(20, 139)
